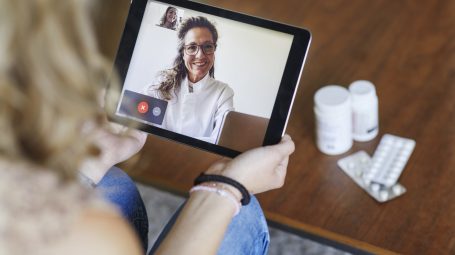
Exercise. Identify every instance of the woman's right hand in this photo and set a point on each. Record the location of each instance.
(259, 169)
(117, 143)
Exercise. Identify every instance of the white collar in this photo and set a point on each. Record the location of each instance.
(198, 86)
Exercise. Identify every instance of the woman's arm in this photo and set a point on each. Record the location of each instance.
(203, 221)
(200, 227)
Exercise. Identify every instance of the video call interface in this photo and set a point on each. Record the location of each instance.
(195, 74)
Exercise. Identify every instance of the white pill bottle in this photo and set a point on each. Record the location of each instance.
(365, 121)
(332, 108)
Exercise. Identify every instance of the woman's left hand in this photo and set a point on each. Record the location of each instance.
(260, 169)
(116, 146)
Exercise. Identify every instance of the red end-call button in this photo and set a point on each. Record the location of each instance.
(143, 107)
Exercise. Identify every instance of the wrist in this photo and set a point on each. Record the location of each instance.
(222, 186)
(203, 178)
(215, 195)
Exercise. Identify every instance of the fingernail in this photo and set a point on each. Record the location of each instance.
(286, 137)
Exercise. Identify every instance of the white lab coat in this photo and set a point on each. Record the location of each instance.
(199, 113)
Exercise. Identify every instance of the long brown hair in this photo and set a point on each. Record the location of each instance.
(51, 79)
(173, 77)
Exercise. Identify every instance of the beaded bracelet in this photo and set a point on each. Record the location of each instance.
(219, 178)
(220, 192)
(223, 186)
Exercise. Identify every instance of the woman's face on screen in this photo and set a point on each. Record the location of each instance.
(171, 15)
(198, 65)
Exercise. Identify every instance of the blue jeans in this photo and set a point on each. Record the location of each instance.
(118, 188)
(247, 234)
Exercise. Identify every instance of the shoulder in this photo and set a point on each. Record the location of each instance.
(110, 228)
(99, 232)
(153, 91)
(152, 88)
(75, 219)
(163, 78)
(222, 87)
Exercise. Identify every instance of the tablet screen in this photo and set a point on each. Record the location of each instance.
(191, 74)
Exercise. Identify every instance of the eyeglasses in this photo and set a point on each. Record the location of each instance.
(193, 49)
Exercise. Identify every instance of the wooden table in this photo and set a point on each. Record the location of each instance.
(407, 49)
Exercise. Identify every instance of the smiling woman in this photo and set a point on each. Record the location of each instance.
(199, 53)
(169, 19)
(197, 102)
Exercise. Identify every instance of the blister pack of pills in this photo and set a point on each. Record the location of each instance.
(389, 159)
(358, 166)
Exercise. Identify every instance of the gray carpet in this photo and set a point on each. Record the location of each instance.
(161, 205)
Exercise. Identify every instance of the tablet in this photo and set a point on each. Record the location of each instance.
(189, 70)
(241, 132)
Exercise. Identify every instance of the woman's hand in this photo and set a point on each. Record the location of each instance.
(259, 169)
(116, 145)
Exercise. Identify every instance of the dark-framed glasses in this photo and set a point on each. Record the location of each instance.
(193, 49)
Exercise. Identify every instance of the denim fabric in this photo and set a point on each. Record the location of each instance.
(118, 188)
(247, 234)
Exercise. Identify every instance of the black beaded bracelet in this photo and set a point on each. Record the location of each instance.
(219, 178)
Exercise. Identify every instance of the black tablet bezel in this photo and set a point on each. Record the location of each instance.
(286, 91)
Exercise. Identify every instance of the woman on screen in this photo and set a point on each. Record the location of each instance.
(197, 102)
(169, 19)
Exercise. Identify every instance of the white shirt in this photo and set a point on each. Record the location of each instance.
(198, 113)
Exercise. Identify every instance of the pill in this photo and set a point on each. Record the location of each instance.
(383, 195)
(375, 187)
(397, 189)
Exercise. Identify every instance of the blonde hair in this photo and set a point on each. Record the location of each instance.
(51, 79)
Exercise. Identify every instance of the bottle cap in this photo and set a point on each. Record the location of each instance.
(362, 90)
(332, 98)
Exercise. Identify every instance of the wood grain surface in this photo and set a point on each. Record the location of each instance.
(407, 49)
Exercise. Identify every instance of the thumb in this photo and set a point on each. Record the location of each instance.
(284, 148)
